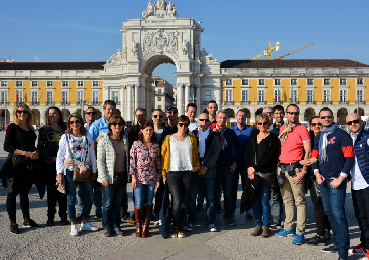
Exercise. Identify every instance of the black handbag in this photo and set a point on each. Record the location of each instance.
(20, 159)
(120, 179)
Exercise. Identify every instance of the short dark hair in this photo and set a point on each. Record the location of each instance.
(140, 109)
(278, 107)
(143, 126)
(292, 105)
(314, 117)
(109, 102)
(158, 109)
(90, 107)
(183, 118)
(326, 109)
(191, 105)
(212, 101)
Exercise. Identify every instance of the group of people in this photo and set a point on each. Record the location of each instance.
(277, 160)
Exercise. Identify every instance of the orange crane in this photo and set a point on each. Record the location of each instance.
(296, 50)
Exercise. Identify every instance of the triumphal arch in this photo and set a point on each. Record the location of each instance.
(160, 36)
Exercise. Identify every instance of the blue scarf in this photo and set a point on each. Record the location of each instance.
(323, 142)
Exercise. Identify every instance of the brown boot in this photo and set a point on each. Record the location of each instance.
(146, 224)
(266, 232)
(256, 232)
(138, 215)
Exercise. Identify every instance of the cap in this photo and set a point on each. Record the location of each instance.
(171, 106)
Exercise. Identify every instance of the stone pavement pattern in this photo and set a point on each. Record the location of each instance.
(228, 243)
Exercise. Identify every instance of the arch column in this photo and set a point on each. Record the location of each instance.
(180, 100)
(129, 102)
(187, 94)
(137, 97)
(198, 99)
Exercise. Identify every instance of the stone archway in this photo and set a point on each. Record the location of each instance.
(341, 116)
(229, 112)
(36, 120)
(361, 111)
(309, 114)
(4, 118)
(65, 114)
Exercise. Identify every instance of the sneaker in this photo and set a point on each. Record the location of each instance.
(331, 249)
(230, 221)
(285, 233)
(173, 233)
(316, 241)
(79, 217)
(366, 257)
(181, 233)
(298, 239)
(88, 227)
(257, 231)
(107, 232)
(98, 215)
(127, 219)
(118, 232)
(50, 222)
(275, 225)
(30, 223)
(189, 227)
(14, 228)
(358, 250)
(199, 207)
(212, 228)
(249, 214)
(156, 219)
(266, 232)
(73, 230)
(343, 257)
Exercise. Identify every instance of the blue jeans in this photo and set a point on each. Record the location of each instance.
(70, 187)
(111, 210)
(200, 192)
(144, 194)
(97, 199)
(224, 180)
(208, 184)
(334, 208)
(261, 209)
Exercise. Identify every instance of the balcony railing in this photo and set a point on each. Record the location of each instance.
(293, 101)
(277, 101)
(49, 102)
(343, 102)
(310, 102)
(65, 103)
(33, 103)
(245, 102)
(95, 103)
(326, 102)
(3, 103)
(262, 102)
(360, 102)
(228, 103)
(204, 102)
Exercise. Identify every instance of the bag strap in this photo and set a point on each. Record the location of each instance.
(70, 152)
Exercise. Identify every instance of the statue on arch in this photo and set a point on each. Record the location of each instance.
(134, 48)
(161, 5)
(171, 9)
(185, 47)
(149, 11)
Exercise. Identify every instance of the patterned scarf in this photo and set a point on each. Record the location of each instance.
(222, 139)
(288, 128)
(323, 142)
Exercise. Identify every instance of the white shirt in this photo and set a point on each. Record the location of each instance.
(193, 126)
(87, 127)
(358, 182)
(202, 139)
(180, 154)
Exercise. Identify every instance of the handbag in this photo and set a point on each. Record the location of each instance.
(20, 159)
(77, 175)
(120, 179)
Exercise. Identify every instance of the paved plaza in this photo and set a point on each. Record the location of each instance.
(228, 243)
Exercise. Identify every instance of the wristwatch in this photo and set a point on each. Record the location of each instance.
(304, 171)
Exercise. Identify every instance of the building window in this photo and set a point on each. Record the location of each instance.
(343, 82)
(4, 83)
(228, 82)
(261, 96)
(19, 83)
(293, 82)
(277, 82)
(159, 106)
(65, 83)
(64, 97)
(34, 100)
(277, 95)
(360, 96)
(293, 95)
(34, 83)
(159, 98)
(207, 96)
(326, 96)
(95, 97)
(19, 96)
(80, 83)
(79, 97)
(228, 96)
(360, 81)
(310, 82)
(95, 83)
(343, 95)
(49, 84)
(310, 96)
(244, 96)
(114, 95)
(159, 91)
(261, 82)
(244, 82)
(3, 97)
(327, 82)
(49, 98)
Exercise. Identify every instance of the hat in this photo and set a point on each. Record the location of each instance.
(171, 106)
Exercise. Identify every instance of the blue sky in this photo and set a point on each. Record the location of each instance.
(82, 30)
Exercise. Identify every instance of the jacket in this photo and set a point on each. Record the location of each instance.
(106, 158)
(361, 149)
(165, 153)
(212, 149)
(225, 156)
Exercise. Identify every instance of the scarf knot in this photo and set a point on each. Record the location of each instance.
(323, 142)
(288, 128)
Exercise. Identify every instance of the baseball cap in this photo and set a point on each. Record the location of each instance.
(171, 106)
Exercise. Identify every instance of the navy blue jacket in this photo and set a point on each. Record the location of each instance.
(362, 153)
(225, 155)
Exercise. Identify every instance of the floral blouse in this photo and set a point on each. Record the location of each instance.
(145, 162)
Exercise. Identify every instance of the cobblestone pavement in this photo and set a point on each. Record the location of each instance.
(228, 243)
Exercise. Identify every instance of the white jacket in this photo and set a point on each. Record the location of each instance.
(106, 157)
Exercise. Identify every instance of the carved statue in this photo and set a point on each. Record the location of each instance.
(134, 48)
(149, 11)
(197, 50)
(116, 58)
(161, 4)
(185, 47)
(171, 9)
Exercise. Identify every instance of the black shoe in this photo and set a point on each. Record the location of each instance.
(50, 222)
(331, 249)
(327, 235)
(64, 221)
(342, 256)
(316, 241)
(30, 223)
(107, 232)
(14, 228)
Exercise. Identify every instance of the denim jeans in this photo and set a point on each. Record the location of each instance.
(97, 199)
(209, 195)
(111, 209)
(144, 194)
(276, 204)
(361, 207)
(200, 192)
(261, 209)
(70, 187)
(321, 218)
(334, 208)
(240, 171)
(224, 180)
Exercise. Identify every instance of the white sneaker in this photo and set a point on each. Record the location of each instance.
(212, 228)
(73, 230)
(189, 227)
(88, 227)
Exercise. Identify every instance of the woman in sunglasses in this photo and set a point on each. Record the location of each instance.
(77, 142)
(20, 144)
(113, 163)
(179, 160)
(262, 154)
(145, 171)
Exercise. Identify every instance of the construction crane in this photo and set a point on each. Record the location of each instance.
(296, 50)
(268, 51)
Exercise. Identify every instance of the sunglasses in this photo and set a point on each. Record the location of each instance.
(115, 123)
(263, 123)
(293, 113)
(172, 112)
(324, 117)
(183, 124)
(77, 122)
(22, 111)
(356, 121)
(91, 113)
(316, 124)
(156, 116)
(206, 120)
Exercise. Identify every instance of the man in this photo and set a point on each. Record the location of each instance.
(243, 133)
(336, 155)
(90, 115)
(276, 203)
(360, 181)
(295, 141)
(191, 111)
(226, 166)
(157, 118)
(208, 147)
(212, 111)
(170, 126)
(269, 111)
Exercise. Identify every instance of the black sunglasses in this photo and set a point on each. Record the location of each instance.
(356, 121)
(315, 124)
(22, 111)
(77, 122)
(263, 123)
(324, 117)
(206, 120)
(172, 112)
(293, 113)
(183, 124)
(90, 113)
(115, 123)
(156, 116)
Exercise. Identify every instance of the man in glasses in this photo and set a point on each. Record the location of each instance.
(336, 155)
(90, 115)
(172, 120)
(243, 133)
(157, 118)
(191, 111)
(360, 181)
(295, 141)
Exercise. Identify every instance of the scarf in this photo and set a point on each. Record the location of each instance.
(202, 138)
(288, 128)
(323, 142)
(222, 139)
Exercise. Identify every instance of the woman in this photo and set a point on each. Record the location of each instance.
(322, 224)
(179, 160)
(112, 164)
(20, 142)
(145, 171)
(82, 150)
(48, 144)
(262, 155)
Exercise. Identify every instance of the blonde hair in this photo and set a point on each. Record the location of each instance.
(29, 117)
(260, 117)
(82, 128)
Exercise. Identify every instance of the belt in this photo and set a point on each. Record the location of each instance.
(286, 164)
